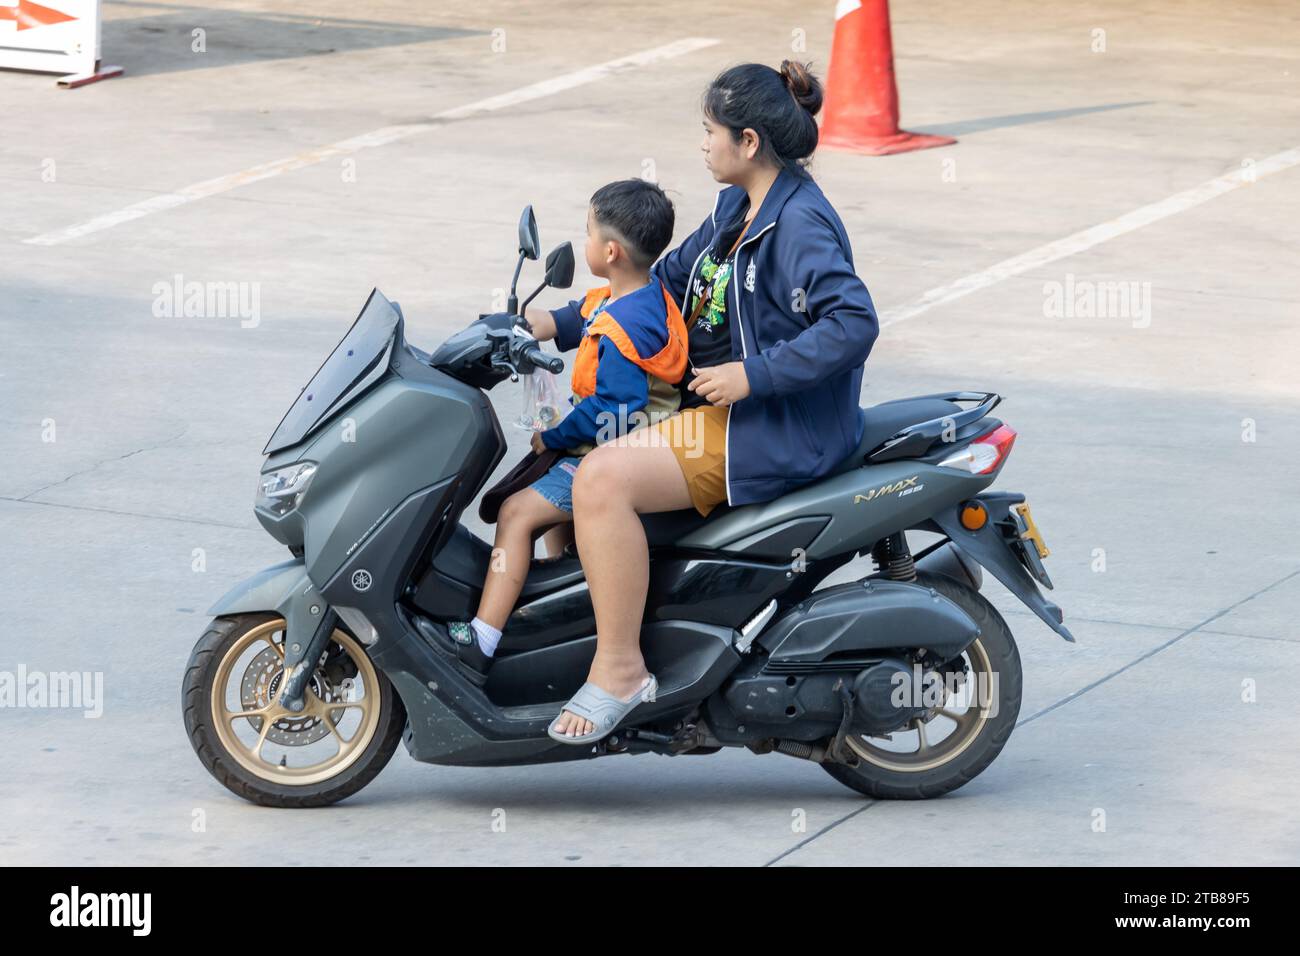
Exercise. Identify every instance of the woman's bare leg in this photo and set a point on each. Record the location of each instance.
(614, 484)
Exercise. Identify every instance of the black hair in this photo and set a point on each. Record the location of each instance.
(641, 216)
(779, 105)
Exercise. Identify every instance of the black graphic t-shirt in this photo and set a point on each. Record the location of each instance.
(709, 336)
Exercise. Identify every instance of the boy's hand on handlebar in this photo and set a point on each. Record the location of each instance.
(539, 446)
(722, 384)
(542, 323)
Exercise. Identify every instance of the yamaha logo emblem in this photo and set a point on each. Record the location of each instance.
(361, 580)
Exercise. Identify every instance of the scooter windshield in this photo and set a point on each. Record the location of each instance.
(356, 363)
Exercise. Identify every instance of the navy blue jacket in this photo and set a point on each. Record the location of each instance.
(803, 324)
(623, 388)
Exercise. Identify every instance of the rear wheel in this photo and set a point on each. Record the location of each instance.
(337, 744)
(953, 741)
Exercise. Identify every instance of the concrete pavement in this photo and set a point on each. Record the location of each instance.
(1158, 447)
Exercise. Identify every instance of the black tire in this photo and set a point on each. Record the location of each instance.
(196, 695)
(995, 637)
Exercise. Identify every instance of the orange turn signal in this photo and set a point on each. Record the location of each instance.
(973, 516)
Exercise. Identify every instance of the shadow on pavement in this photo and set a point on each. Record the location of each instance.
(966, 127)
(163, 42)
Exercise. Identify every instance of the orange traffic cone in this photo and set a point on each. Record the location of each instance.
(861, 109)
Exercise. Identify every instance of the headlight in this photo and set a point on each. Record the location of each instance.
(281, 490)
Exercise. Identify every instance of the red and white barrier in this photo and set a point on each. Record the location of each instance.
(53, 36)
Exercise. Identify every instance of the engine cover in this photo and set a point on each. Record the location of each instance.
(881, 698)
(863, 619)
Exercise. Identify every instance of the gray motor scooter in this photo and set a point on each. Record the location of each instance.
(905, 683)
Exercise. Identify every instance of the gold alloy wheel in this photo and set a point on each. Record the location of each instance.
(259, 711)
(969, 723)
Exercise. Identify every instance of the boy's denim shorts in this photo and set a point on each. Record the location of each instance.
(556, 486)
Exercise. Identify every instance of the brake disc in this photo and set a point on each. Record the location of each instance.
(260, 686)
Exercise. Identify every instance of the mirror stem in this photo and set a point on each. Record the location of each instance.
(536, 293)
(512, 306)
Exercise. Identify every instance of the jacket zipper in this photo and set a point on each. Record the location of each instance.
(744, 352)
(690, 279)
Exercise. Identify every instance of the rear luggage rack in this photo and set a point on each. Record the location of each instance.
(916, 440)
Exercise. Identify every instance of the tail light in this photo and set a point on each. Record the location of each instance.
(984, 454)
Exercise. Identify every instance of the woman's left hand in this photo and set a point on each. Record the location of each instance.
(722, 384)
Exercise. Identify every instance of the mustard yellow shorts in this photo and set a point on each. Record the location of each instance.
(698, 438)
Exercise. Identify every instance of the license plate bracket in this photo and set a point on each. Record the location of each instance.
(1030, 545)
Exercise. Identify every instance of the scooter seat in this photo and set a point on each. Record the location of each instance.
(668, 527)
(884, 421)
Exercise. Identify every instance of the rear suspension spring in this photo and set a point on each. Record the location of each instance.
(893, 559)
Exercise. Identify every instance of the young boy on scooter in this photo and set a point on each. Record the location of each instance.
(631, 343)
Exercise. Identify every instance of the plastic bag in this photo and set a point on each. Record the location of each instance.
(544, 402)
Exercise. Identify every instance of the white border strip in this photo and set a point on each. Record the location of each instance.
(378, 137)
(1095, 236)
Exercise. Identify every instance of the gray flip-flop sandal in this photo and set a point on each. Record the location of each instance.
(604, 710)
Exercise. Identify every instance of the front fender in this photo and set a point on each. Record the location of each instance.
(282, 589)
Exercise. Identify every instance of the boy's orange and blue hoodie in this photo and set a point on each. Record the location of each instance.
(631, 355)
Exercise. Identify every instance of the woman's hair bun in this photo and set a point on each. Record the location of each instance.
(779, 105)
(803, 86)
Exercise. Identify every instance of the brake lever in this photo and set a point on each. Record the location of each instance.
(504, 362)
(521, 338)
(500, 357)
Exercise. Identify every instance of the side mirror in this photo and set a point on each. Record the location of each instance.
(559, 266)
(530, 244)
(559, 271)
(529, 248)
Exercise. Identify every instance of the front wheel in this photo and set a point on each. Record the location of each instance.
(337, 744)
(951, 743)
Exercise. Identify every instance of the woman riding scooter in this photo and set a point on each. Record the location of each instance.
(779, 327)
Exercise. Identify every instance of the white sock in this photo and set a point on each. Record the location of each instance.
(488, 636)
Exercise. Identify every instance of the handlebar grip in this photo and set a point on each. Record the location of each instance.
(552, 363)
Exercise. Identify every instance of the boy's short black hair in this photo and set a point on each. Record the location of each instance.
(640, 214)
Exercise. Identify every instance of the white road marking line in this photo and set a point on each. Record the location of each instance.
(378, 137)
(1095, 236)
